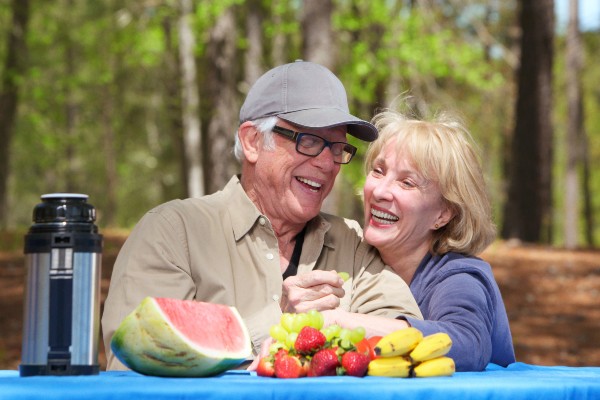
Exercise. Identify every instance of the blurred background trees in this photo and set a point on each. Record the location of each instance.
(136, 102)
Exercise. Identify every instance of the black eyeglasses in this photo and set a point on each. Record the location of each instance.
(312, 145)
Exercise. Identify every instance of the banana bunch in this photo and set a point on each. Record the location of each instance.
(405, 353)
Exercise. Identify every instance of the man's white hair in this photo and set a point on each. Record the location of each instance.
(264, 126)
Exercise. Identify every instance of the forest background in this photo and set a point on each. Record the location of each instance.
(136, 102)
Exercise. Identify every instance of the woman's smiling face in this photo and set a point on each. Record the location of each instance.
(402, 208)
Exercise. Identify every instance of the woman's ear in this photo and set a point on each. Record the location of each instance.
(250, 139)
(445, 216)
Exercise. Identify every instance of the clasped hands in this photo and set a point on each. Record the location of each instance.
(314, 290)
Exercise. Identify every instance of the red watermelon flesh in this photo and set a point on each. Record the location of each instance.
(225, 333)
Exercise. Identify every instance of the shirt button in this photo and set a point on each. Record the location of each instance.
(262, 221)
(275, 297)
(269, 256)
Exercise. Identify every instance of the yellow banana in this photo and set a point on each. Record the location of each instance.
(398, 343)
(432, 346)
(393, 367)
(441, 366)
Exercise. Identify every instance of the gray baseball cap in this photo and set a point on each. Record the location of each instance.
(307, 95)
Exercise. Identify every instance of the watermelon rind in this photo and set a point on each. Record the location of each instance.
(147, 343)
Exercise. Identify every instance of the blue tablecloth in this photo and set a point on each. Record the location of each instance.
(518, 381)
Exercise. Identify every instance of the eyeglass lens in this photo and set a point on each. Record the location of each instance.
(312, 145)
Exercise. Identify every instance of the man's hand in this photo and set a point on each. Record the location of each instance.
(315, 290)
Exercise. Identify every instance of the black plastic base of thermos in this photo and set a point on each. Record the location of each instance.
(58, 369)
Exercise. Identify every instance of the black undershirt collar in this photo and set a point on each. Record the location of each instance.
(292, 268)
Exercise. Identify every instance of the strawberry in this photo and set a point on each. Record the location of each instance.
(309, 340)
(280, 352)
(355, 363)
(324, 363)
(287, 366)
(265, 367)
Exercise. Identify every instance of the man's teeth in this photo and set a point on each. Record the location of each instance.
(316, 186)
(383, 217)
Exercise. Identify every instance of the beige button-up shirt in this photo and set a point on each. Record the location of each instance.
(220, 249)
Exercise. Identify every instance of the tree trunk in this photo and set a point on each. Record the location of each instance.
(278, 50)
(588, 208)
(317, 46)
(72, 106)
(110, 159)
(317, 34)
(190, 103)
(528, 207)
(14, 67)
(574, 125)
(173, 105)
(253, 66)
(221, 77)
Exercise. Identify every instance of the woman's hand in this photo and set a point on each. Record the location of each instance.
(374, 325)
(264, 351)
(334, 316)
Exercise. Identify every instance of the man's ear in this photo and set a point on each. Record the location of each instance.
(250, 139)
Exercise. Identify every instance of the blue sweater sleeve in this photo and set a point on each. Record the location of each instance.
(460, 305)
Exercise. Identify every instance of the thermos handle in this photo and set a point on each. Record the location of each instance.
(61, 310)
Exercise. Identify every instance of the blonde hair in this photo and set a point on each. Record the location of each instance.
(441, 150)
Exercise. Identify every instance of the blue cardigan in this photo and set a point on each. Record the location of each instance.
(459, 295)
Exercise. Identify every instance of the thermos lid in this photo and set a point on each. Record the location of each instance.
(64, 207)
(63, 220)
(64, 196)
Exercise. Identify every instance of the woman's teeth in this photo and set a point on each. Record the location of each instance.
(383, 217)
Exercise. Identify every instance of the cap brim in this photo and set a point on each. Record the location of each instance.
(329, 118)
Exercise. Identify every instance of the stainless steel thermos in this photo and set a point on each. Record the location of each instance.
(63, 251)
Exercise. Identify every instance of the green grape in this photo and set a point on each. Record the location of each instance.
(274, 347)
(328, 332)
(316, 319)
(301, 320)
(287, 319)
(345, 344)
(331, 332)
(278, 333)
(291, 339)
(344, 275)
(357, 334)
(344, 334)
(336, 329)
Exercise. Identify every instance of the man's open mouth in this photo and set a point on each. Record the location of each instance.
(312, 185)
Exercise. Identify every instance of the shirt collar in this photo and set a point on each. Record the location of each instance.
(244, 213)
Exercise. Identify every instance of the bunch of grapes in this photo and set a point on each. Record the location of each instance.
(286, 332)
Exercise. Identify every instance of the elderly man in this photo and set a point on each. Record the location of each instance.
(261, 244)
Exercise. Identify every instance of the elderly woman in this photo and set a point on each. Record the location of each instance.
(428, 215)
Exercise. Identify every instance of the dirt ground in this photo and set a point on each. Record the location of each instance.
(552, 297)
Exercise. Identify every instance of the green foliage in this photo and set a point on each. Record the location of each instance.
(100, 82)
(432, 56)
(206, 15)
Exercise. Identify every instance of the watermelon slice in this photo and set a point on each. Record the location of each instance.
(169, 337)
